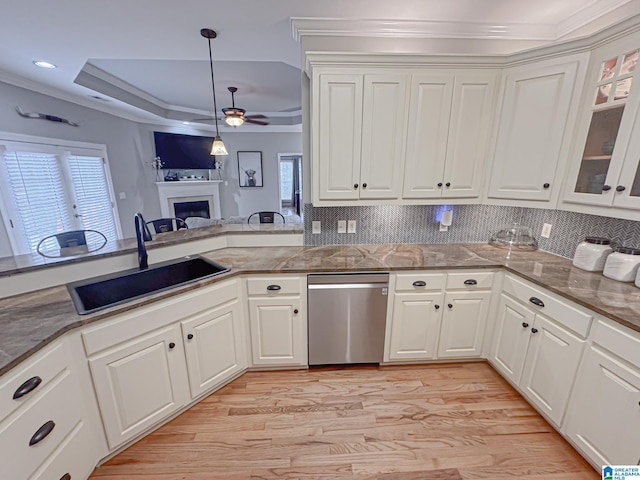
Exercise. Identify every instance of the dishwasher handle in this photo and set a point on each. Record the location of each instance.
(344, 286)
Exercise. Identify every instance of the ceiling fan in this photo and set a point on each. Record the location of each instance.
(236, 116)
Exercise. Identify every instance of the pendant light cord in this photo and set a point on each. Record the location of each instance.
(213, 86)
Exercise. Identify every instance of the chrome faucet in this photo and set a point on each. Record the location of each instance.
(142, 235)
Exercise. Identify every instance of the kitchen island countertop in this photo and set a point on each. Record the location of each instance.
(32, 320)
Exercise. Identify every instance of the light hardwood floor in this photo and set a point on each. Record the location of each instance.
(437, 422)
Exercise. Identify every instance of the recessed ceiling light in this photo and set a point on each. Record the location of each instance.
(43, 64)
(186, 123)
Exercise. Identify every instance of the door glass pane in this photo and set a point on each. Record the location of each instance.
(629, 62)
(623, 87)
(598, 149)
(608, 68)
(602, 94)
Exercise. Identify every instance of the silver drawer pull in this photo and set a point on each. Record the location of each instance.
(471, 281)
(419, 283)
(273, 288)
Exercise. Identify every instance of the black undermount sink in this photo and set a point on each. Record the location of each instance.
(98, 293)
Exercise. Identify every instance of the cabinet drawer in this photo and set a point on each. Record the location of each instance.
(58, 405)
(562, 312)
(413, 282)
(30, 378)
(470, 281)
(75, 457)
(140, 321)
(279, 285)
(619, 340)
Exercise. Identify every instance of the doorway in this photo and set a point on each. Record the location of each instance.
(290, 172)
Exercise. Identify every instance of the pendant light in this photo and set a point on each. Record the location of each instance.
(217, 148)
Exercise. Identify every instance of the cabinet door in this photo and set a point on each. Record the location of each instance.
(551, 366)
(428, 131)
(605, 142)
(532, 130)
(627, 188)
(469, 130)
(463, 322)
(384, 116)
(415, 325)
(140, 382)
(278, 331)
(337, 136)
(214, 347)
(604, 415)
(511, 338)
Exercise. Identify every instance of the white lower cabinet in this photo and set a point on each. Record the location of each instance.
(536, 352)
(463, 324)
(604, 413)
(278, 320)
(415, 327)
(214, 347)
(46, 428)
(140, 382)
(437, 315)
(149, 363)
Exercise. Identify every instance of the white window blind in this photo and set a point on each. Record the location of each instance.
(38, 195)
(93, 202)
(54, 192)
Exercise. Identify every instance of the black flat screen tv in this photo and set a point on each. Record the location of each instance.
(177, 151)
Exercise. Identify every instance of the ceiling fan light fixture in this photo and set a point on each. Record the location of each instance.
(217, 147)
(234, 120)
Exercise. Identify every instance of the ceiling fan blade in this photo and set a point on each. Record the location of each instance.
(255, 122)
(255, 116)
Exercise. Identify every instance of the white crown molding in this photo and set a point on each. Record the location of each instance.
(393, 28)
(566, 47)
(590, 13)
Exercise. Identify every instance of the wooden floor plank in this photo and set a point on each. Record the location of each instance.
(434, 422)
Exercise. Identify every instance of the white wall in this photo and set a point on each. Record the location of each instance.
(130, 149)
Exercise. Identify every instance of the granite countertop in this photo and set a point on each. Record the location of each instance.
(31, 262)
(32, 320)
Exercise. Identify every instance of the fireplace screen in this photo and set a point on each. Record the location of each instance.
(191, 209)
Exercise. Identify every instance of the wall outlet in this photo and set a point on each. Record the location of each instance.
(546, 230)
(122, 195)
(351, 226)
(342, 226)
(316, 227)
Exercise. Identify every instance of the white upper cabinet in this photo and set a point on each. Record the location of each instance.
(338, 130)
(359, 135)
(539, 103)
(449, 124)
(384, 114)
(605, 167)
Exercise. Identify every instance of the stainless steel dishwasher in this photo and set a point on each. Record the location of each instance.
(347, 317)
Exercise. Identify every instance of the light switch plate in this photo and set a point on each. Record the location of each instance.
(351, 226)
(122, 195)
(342, 226)
(316, 227)
(546, 230)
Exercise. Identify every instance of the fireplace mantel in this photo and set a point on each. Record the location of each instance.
(170, 192)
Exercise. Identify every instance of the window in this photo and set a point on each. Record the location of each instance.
(48, 189)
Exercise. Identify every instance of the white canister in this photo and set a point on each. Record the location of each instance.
(622, 265)
(592, 254)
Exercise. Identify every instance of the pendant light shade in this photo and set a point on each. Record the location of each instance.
(217, 148)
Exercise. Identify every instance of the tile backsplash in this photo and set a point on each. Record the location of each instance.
(471, 224)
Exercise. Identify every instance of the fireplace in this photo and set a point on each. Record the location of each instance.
(198, 208)
(189, 199)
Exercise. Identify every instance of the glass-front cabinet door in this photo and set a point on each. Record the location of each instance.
(606, 147)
